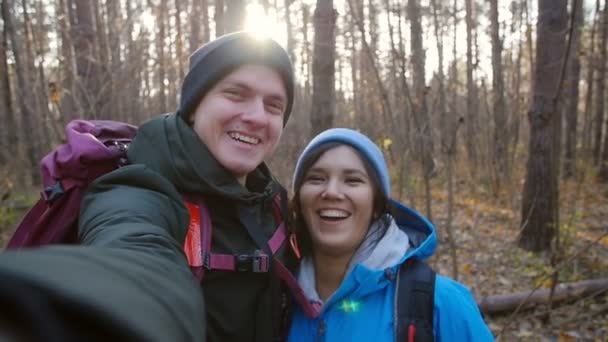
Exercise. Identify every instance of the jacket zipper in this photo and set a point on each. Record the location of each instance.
(321, 330)
(395, 300)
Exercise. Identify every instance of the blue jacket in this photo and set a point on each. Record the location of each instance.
(362, 308)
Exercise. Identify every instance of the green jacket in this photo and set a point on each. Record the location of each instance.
(139, 207)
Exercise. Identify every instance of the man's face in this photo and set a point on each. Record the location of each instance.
(240, 119)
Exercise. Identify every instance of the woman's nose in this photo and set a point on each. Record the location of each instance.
(332, 190)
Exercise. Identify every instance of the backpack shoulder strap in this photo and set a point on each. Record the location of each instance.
(197, 245)
(414, 300)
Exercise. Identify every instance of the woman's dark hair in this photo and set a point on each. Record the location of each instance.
(296, 222)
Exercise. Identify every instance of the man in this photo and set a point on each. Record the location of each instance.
(134, 278)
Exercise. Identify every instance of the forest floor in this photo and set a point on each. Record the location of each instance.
(490, 263)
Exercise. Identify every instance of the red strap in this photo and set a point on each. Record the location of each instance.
(411, 333)
(311, 310)
(277, 238)
(197, 246)
(192, 245)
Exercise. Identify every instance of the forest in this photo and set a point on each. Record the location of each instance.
(491, 114)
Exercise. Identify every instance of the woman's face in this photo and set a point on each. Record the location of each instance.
(336, 200)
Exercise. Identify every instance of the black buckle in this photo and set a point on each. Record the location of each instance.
(256, 263)
(206, 260)
(52, 192)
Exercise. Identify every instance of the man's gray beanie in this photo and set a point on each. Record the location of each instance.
(216, 59)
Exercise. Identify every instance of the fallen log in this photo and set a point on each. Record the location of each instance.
(527, 299)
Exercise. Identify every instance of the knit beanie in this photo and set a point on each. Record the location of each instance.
(214, 60)
(356, 140)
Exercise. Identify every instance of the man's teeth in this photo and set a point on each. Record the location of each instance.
(332, 213)
(244, 138)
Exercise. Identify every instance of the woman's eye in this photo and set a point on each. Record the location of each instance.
(314, 179)
(354, 180)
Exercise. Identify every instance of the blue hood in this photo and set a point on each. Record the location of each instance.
(421, 232)
(408, 235)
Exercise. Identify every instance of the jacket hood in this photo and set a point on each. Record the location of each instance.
(169, 146)
(409, 235)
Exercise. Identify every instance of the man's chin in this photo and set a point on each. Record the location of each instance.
(242, 170)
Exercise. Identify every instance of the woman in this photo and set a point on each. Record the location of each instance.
(351, 248)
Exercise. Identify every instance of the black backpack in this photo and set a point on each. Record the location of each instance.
(415, 300)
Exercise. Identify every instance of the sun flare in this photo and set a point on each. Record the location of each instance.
(262, 25)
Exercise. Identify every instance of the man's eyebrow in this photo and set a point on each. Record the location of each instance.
(239, 84)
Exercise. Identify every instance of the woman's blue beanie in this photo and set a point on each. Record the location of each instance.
(356, 140)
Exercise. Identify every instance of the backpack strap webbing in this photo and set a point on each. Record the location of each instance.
(198, 251)
(415, 296)
(197, 245)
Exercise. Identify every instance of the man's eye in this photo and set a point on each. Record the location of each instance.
(234, 93)
(275, 107)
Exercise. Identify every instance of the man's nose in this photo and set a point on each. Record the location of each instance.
(255, 113)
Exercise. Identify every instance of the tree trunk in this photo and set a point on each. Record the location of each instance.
(177, 67)
(591, 65)
(574, 73)
(24, 93)
(235, 15)
(517, 106)
(540, 208)
(289, 27)
(601, 88)
(66, 91)
(116, 24)
(195, 26)
(198, 18)
(306, 65)
(323, 68)
(603, 173)
(8, 131)
(219, 18)
(471, 112)
(528, 299)
(445, 122)
(38, 101)
(369, 49)
(161, 62)
(501, 167)
(86, 59)
(51, 129)
(102, 51)
(422, 122)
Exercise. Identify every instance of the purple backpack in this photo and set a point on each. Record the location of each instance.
(96, 147)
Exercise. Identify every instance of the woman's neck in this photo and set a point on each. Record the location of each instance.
(329, 273)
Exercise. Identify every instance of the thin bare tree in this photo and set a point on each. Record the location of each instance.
(422, 122)
(499, 160)
(234, 18)
(24, 89)
(323, 67)
(601, 88)
(574, 73)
